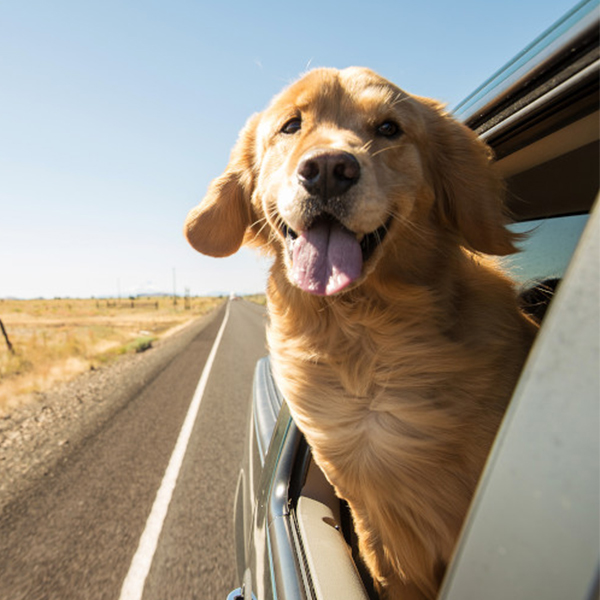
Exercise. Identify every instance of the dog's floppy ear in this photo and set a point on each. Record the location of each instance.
(217, 225)
(469, 192)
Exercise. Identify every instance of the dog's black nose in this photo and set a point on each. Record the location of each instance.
(328, 173)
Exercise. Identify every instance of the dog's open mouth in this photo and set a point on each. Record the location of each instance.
(327, 257)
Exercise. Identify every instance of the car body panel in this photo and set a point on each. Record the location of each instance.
(534, 526)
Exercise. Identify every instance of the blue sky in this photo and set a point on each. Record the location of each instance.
(115, 116)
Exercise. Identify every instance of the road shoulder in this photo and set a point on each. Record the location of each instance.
(38, 435)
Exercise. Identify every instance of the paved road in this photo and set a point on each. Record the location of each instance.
(74, 536)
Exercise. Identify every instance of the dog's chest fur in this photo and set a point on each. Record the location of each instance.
(385, 394)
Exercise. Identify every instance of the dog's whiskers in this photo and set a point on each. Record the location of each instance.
(255, 223)
(419, 232)
(366, 147)
(264, 221)
(399, 99)
(271, 219)
(385, 149)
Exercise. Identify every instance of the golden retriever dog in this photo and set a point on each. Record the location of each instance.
(395, 342)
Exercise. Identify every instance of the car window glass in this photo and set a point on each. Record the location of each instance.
(547, 248)
(538, 50)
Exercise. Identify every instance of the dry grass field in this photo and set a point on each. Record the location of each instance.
(54, 340)
(259, 299)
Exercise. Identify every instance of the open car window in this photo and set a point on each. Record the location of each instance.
(546, 249)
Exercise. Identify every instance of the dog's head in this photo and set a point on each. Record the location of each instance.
(341, 166)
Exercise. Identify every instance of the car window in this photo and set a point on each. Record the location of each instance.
(518, 73)
(547, 248)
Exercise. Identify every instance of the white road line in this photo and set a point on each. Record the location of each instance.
(133, 586)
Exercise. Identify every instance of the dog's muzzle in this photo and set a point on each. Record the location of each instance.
(327, 257)
(327, 174)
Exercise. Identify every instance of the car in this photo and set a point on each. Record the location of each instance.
(533, 527)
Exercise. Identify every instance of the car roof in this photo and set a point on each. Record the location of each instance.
(539, 113)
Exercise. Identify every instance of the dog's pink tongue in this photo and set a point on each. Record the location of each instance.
(326, 259)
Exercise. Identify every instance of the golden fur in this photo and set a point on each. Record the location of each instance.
(400, 380)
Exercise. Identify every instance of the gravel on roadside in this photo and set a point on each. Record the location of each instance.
(37, 435)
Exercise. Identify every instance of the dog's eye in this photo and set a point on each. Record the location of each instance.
(389, 129)
(292, 126)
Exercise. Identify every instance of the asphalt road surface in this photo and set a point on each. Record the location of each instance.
(75, 535)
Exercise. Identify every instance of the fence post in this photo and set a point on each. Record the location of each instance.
(10, 346)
